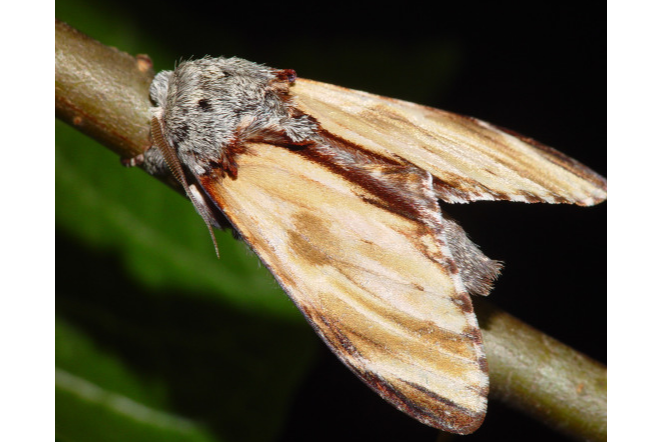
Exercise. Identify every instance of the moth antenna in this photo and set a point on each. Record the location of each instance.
(175, 166)
(168, 152)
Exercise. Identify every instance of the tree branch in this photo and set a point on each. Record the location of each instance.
(104, 93)
(542, 377)
(101, 91)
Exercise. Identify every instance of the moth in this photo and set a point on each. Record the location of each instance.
(339, 194)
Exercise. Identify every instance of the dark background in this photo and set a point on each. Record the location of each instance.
(533, 69)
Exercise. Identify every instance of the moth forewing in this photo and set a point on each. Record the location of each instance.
(379, 287)
(470, 159)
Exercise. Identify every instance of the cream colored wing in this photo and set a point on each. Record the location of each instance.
(373, 277)
(470, 159)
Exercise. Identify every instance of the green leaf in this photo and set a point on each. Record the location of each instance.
(108, 402)
(198, 347)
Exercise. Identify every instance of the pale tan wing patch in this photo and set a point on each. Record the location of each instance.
(470, 159)
(374, 284)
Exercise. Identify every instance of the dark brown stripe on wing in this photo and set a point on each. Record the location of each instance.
(350, 161)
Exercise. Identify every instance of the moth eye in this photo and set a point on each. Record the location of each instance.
(205, 105)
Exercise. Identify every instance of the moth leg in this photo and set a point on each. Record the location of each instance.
(139, 159)
(151, 159)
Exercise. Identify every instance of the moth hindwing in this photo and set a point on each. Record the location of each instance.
(337, 191)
